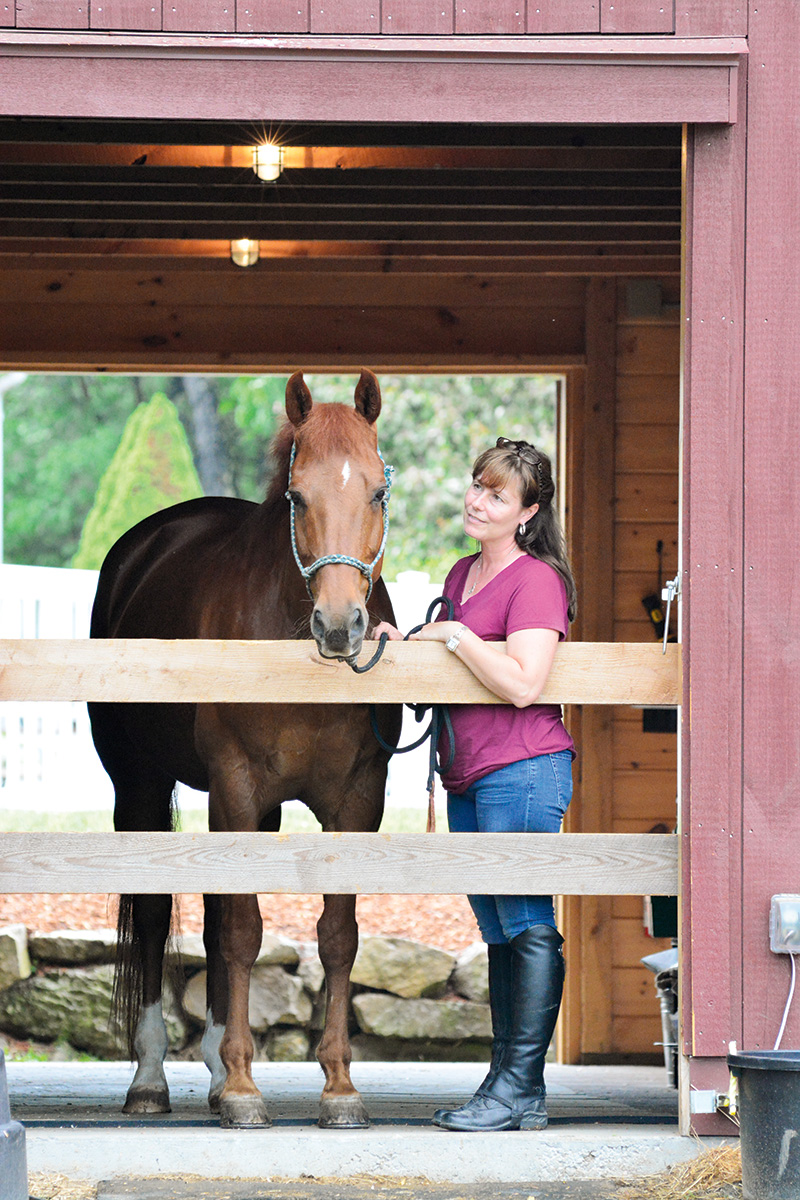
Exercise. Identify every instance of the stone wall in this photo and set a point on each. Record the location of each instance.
(409, 1001)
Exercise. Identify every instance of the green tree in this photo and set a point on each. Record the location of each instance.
(60, 432)
(151, 469)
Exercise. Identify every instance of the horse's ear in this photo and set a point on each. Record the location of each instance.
(298, 399)
(368, 396)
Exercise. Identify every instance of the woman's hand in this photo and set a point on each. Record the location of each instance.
(384, 627)
(436, 631)
(516, 672)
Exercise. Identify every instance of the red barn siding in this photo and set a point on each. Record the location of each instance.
(418, 16)
(272, 16)
(701, 18)
(711, 18)
(713, 467)
(200, 16)
(125, 14)
(345, 16)
(572, 16)
(52, 14)
(771, 813)
(490, 16)
(636, 16)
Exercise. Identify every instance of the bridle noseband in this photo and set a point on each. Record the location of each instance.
(366, 569)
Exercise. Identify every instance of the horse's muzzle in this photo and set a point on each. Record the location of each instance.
(339, 637)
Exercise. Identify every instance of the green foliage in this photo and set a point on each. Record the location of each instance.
(250, 408)
(151, 469)
(61, 433)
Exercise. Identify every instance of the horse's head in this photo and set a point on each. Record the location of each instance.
(338, 491)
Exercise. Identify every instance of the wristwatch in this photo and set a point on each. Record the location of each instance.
(455, 638)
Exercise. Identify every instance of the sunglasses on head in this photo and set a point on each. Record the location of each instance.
(523, 450)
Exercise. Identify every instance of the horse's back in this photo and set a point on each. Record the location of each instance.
(159, 562)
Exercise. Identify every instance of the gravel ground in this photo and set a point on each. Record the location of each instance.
(444, 921)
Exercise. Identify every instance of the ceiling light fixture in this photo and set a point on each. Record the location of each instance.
(244, 252)
(267, 160)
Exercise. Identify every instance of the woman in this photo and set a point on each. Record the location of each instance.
(512, 770)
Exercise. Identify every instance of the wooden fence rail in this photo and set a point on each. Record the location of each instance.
(622, 864)
(371, 863)
(292, 672)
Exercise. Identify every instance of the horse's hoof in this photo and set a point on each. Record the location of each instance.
(214, 1103)
(342, 1112)
(243, 1112)
(146, 1102)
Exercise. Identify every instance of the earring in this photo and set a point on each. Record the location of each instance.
(522, 529)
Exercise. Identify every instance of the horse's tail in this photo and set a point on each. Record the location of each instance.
(126, 997)
(126, 1003)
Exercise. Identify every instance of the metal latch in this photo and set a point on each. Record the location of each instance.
(670, 592)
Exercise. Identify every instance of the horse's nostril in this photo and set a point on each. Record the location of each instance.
(358, 624)
(317, 625)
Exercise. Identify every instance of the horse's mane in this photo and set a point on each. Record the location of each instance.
(330, 427)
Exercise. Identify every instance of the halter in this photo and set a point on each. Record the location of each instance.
(366, 569)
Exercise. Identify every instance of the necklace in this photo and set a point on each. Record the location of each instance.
(478, 564)
(475, 581)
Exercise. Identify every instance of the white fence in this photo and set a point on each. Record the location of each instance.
(47, 759)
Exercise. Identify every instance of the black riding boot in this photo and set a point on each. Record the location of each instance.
(514, 1099)
(501, 957)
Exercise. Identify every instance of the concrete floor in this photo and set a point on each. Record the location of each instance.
(605, 1123)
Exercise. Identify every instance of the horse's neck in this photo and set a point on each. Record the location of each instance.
(277, 600)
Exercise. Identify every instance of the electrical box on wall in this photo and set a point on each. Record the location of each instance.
(784, 924)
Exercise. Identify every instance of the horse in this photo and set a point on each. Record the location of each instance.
(219, 567)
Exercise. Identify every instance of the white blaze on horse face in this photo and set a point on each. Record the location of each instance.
(345, 473)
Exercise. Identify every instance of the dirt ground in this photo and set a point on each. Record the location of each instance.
(444, 921)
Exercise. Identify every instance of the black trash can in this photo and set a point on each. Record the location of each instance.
(769, 1116)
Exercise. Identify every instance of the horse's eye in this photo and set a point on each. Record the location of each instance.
(295, 498)
(379, 496)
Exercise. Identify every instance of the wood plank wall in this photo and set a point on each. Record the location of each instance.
(623, 481)
(392, 17)
(644, 773)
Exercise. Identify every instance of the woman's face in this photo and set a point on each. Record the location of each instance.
(492, 515)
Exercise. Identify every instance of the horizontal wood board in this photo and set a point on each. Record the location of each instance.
(365, 863)
(292, 672)
(392, 17)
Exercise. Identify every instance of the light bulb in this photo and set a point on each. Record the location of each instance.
(244, 252)
(267, 160)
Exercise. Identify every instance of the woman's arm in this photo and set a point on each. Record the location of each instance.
(516, 676)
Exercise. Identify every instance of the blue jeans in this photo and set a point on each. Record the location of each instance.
(530, 796)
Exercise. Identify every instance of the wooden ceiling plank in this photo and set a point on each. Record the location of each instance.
(199, 133)
(387, 178)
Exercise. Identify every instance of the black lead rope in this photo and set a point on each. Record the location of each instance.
(381, 647)
(440, 717)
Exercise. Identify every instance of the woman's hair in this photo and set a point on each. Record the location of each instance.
(543, 537)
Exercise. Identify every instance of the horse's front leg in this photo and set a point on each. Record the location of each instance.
(240, 1101)
(337, 933)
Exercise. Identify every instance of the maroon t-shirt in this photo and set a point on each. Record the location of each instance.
(527, 594)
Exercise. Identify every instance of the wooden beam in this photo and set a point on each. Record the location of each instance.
(291, 672)
(537, 80)
(364, 863)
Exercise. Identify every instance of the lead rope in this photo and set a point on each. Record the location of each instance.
(440, 719)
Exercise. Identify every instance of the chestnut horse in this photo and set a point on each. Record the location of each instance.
(225, 568)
